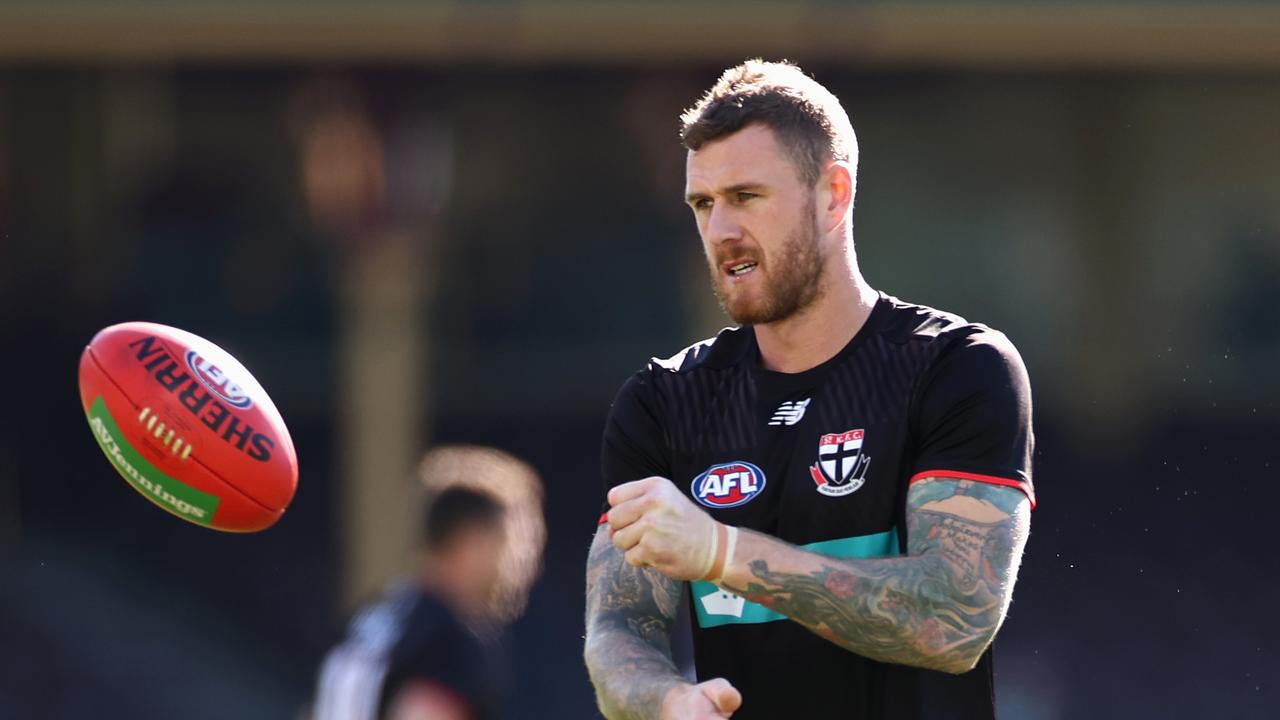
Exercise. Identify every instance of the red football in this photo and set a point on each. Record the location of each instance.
(188, 426)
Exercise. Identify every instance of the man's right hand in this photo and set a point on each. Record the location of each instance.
(705, 701)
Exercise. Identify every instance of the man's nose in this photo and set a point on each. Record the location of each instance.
(722, 225)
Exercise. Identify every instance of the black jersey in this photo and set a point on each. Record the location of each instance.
(823, 459)
(437, 648)
(408, 636)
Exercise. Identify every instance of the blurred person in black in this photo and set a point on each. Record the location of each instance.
(843, 483)
(429, 649)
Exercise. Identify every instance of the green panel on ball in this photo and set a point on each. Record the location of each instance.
(169, 493)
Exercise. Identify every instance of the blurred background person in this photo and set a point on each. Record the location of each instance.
(431, 647)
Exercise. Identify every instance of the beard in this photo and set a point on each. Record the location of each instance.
(791, 282)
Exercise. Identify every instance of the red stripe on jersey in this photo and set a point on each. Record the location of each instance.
(428, 698)
(604, 518)
(1024, 486)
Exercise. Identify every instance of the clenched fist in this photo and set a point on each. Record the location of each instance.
(656, 526)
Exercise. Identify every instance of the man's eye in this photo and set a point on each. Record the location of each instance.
(745, 196)
(702, 204)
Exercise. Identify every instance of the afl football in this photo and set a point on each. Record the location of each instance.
(187, 426)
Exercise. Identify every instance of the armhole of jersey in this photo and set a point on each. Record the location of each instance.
(1025, 487)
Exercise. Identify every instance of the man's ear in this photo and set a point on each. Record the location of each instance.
(838, 183)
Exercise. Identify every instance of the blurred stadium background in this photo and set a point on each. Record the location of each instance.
(461, 221)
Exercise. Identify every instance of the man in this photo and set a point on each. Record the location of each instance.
(843, 482)
(425, 652)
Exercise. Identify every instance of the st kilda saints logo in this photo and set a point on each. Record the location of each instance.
(842, 466)
(728, 485)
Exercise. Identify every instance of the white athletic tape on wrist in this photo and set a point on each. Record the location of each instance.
(710, 564)
(731, 545)
(724, 553)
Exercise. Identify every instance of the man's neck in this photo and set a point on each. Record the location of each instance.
(815, 334)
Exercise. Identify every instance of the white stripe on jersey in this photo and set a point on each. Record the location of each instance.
(352, 674)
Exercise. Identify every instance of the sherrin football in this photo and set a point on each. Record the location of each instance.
(187, 426)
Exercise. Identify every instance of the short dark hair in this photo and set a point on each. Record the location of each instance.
(447, 513)
(808, 120)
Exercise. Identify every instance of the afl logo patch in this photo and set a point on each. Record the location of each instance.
(219, 384)
(728, 485)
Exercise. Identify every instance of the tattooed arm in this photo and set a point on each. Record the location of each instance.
(939, 607)
(628, 647)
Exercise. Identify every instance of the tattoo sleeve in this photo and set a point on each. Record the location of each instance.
(938, 607)
(628, 643)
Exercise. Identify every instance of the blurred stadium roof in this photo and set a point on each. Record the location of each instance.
(1137, 34)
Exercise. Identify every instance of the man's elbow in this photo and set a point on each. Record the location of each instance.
(958, 665)
(962, 654)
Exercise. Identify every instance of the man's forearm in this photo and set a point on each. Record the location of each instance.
(628, 641)
(893, 610)
(938, 608)
(631, 676)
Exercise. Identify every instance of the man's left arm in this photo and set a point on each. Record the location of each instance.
(938, 607)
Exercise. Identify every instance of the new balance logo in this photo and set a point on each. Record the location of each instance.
(789, 413)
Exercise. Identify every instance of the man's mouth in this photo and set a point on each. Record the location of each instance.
(741, 268)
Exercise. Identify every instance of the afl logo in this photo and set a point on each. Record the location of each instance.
(728, 485)
(211, 377)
